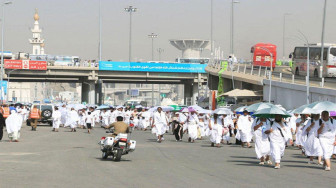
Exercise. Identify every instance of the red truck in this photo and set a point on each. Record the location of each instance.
(262, 54)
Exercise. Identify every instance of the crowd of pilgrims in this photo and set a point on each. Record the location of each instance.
(314, 135)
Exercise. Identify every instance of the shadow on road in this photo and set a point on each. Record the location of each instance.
(110, 159)
(243, 157)
(151, 140)
(307, 166)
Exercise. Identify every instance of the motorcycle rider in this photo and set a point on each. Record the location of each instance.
(119, 127)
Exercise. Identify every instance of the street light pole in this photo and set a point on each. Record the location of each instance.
(211, 28)
(270, 73)
(152, 36)
(8, 84)
(308, 64)
(100, 32)
(283, 35)
(160, 50)
(2, 47)
(322, 38)
(232, 27)
(130, 9)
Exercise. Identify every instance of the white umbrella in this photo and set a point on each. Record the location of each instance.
(164, 108)
(300, 109)
(323, 106)
(205, 111)
(310, 111)
(222, 111)
(197, 108)
(79, 106)
(240, 109)
(258, 106)
(153, 109)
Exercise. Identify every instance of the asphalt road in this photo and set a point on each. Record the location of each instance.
(65, 159)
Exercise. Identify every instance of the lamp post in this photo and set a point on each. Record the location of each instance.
(100, 32)
(323, 29)
(2, 46)
(152, 36)
(130, 9)
(232, 26)
(270, 73)
(8, 83)
(160, 50)
(308, 63)
(211, 28)
(283, 35)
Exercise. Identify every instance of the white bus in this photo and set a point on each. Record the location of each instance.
(316, 68)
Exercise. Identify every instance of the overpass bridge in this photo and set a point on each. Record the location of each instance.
(287, 89)
(91, 78)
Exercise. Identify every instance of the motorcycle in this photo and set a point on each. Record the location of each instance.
(116, 146)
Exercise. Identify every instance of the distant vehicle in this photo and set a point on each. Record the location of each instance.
(46, 113)
(263, 58)
(7, 55)
(133, 103)
(316, 69)
(56, 60)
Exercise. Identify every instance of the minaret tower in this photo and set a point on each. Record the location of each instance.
(37, 41)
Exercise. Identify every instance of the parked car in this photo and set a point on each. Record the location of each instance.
(46, 114)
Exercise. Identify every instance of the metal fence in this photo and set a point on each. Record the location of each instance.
(264, 72)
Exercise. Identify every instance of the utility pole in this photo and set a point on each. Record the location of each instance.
(160, 50)
(152, 36)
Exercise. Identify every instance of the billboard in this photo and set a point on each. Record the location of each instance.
(4, 87)
(152, 67)
(25, 64)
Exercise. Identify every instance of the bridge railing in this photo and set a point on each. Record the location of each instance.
(281, 75)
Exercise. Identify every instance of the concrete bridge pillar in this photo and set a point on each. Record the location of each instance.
(88, 92)
(190, 94)
(92, 91)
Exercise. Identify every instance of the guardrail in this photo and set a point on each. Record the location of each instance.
(248, 68)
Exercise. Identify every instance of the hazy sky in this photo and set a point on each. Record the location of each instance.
(70, 27)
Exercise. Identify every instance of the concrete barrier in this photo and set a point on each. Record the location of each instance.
(291, 96)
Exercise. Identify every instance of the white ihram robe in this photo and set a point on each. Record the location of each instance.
(144, 121)
(160, 122)
(57, 116)
(278, 142)
(13, 125)
(216, 131)
(227, 123)
(300, 137)
(72, 119)
(183, 120)
(244, 127)
(312, 145)
(105, 118)
(192, 126)
(64, 113)
(262, 144)
(327, 138)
